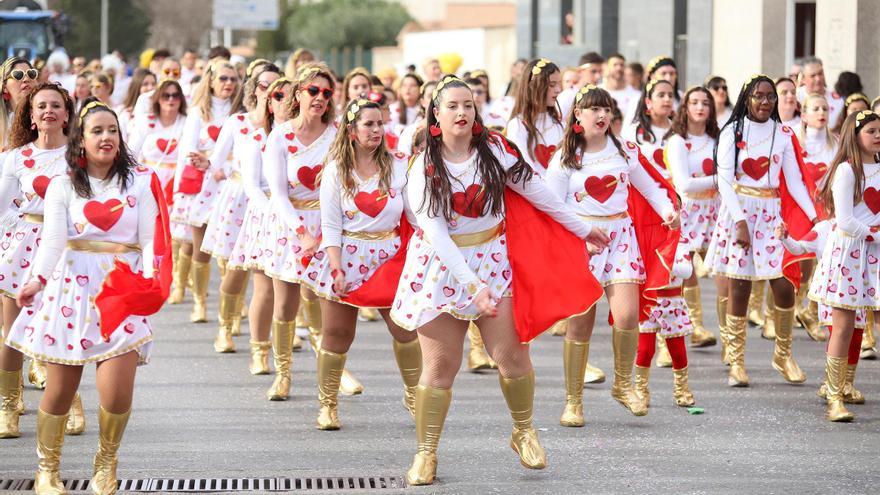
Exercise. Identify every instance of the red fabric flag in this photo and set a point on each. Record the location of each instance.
(378, 291)
(794, 217)
(125, 293)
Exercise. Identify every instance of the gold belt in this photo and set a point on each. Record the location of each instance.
(383, 235)
(306, 204)
(155, 164)
(607, 218)
(102, 247)
(33, 218)
(235, 176)
(707, 194)
(756, 192)
(478, 238)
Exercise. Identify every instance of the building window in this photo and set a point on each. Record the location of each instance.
(567, 24)
(804, 29)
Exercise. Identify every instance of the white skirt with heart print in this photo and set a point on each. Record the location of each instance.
(226, 220)
(63, 325)
(180, 228)
(698, 219)
(360, 260)
(763, 259)
(621, 262)
(669, 317)
(248, 252)
(18, 248)
(848, 274)
(203, 203)
(825, 313)
(282, 254)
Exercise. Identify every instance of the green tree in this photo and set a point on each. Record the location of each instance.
(345, 23)
(270, 43)
(127, 27)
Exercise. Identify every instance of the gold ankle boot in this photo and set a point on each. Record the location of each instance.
(756, 303)
(282, 353)
(851, 395)
(10, 390)
(681, 391)
(640, 384)
(736, 351)
(369, 314)
(835, 379)
(770, 319)
(721, 308)
(223, 342)
(477, 357)
(520, 396)
(297, 343)
(783, 361)
(432, 404)
(260, 357)
(76, 418)
(701, 337)
(37, 374)
(592, 374)
(50, 439)
(625, 343)
(201, 277)
(240, 310)
(664, 359)
(559, 328)
(181, 278)
(409, 362)
(112, 426)
(330, 366)
(574, 362)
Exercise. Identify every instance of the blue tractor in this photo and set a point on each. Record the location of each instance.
(29, 30)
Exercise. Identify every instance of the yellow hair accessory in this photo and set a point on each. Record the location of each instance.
(479, 73)
(281, 81)
(539, 66)
(875, 101)
(308, 72)
(856, 97)
(253, 65)
(652, 65)
(583, 91)
(653, 82)
(354, 107)
(446, 80)
(864, 114)
(754, 76)
(87, 108)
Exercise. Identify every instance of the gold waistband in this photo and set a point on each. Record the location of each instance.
(756, 192)
(235, 176)
(478, 238)
(306, 204)
(707, 194)
(33, 218)
(102, 247)
(155, 164)
(607, 218)
(372, 236)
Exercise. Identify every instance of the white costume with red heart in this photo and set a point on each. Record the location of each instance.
(669, 316)
(198, 135)
(27, 172)
(347, 219)
(693, 174)
(598, 192)
(747, 191)
(293, 171)
(652, 150)
(848, 273)
(62, 326)
(450, 260)
(549, 139)
(156, 146)
(818, 153)
(251, 242)
(227, 215)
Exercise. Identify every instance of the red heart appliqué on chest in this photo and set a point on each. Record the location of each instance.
(658, 158)
(165, 145)
(371, 203)
(756, 168)
(600, 188)
(544, 153)
(103, 215)
(41, 183)
(214, 131)
(816, 170)
(469, 203)
(709, 166)
(871, 197)
(308, 176)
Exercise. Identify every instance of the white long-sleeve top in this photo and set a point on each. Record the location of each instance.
(236, 131)
(412, 114)
(199, 135)
(814, 242)
(27, 172)
(550, 133)
(653, 151)
(153, 143)
(68, 216)
(856, 220)
(293, 170)
(817, 152)
(690, 161)
(465, 219)
(366, 210)
(599, 187)
(252, 179)
(755, 168)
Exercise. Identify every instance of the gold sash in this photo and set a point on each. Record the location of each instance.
(372, 236)
(102, 247)
(478, 238)
(608, 218)
(756, 192)
(306, 204)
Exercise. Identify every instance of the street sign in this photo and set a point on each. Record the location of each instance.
(246, 14)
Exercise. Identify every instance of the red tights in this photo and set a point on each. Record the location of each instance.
(855, 345)
(677, 349)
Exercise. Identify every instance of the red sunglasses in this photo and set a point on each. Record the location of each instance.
(315, 90)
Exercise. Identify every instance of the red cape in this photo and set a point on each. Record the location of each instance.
(125, 293)
(794, 217)
(551, 271)
(378, 291)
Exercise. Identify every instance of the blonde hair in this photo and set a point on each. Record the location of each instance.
(295, 60)
(201, 99)
(343, 149)
(830, 141)
(7, 106)
(308, 73)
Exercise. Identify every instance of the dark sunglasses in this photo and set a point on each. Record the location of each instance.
(315, 90)
(225, 79)
(278, 95)
(722, 86)
(170, 96)
(19, 74)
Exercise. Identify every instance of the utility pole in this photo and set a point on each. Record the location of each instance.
(104, 16)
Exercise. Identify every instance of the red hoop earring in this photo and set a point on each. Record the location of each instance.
(477, 129)
(435, 130)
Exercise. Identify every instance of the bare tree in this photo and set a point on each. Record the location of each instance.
(178, 25)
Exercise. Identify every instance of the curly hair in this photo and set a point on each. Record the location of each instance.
(22, 133)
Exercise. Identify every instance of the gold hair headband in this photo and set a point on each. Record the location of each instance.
(754, 76)
(862, 116)
(875, 101)
(539, 66)
(308, 72)
(446, 80)
(354, 107)
(479, 73)
(653, 82)
(652, 65)
(281, 81)
(253, 65)
(87, 108)
(855, 97)
(583, 91)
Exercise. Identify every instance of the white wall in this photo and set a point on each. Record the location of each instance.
(737, 41)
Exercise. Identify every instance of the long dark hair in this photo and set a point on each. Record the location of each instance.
(438, 180)
(642, 119)
(122, 165)
(134, 88)
(21, 132)
(848, 152)
(574, 143)
(741, 111)
(680, 120)
(401, 105)
(531, 99)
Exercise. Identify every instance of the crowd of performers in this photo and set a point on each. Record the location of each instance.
(439, 213)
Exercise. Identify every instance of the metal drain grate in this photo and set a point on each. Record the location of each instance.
(203, 485)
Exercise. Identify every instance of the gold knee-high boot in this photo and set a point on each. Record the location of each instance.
(349, 385)
(756, 303)
(227, 312)
(409, 362)
(681, 391)
(625, 343)
(432, 405)
(701, 337)
(260, 357)
(477, 357)
(664, 360)
(770, 320)
(641, 377)
(37, 374)
(182, 266)
(736, 351)
(851, 394)
(112, 427)
(50, 440)
(520, 396)
(239, 307)
(330, 366)
(221, 266)
(282, 353)
(721, 309)
(76, 418)
(10, 390)
(783, 361)
(201, 277)
(574, 361)
(835, 379)
(807, 313)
